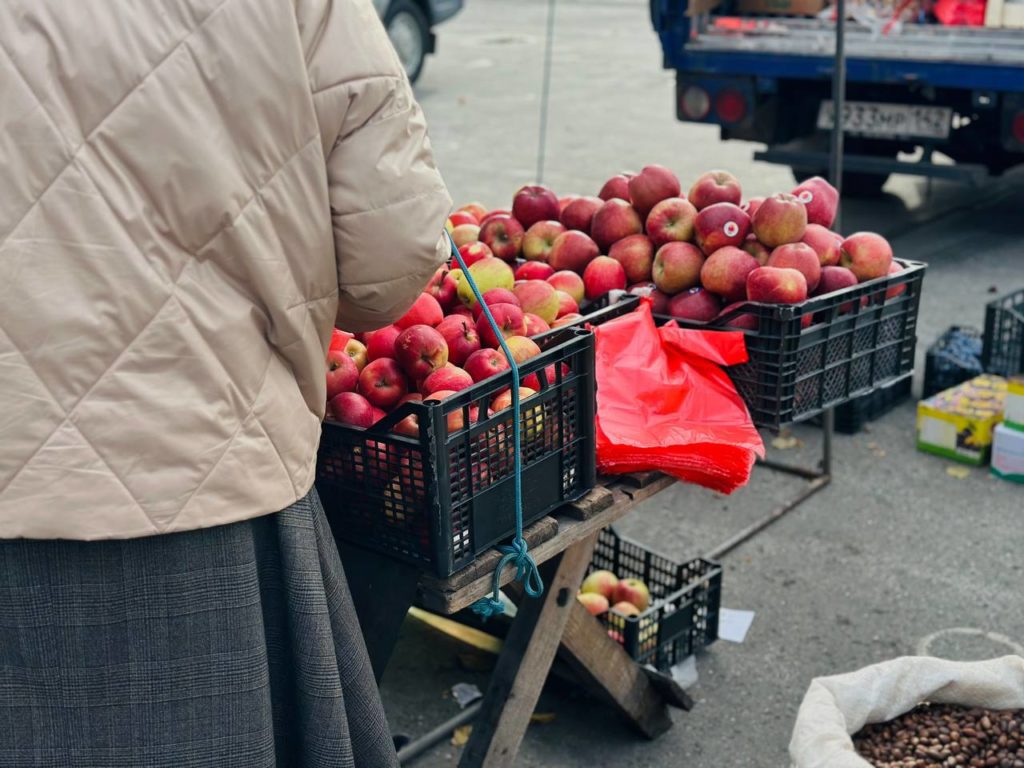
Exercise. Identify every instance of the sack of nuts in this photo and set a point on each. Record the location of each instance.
(835, 708)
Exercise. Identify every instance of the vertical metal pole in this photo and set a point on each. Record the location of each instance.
(545, 93)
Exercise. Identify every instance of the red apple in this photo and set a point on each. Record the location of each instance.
(457, 418)
(522, 348)
(421, 350)
(339, 338)
(867, 255)
(452, 379)
(484, 363)
(410, 425)
(715, 187)
(725, 272)
(603, 274)
(510, 320)
(491, 214)
(488, 274)
(750, 206)
(896, 290)
(425, 311)
(671, 220)
(613, 221)
(443, 287)
(465, 233)
(659, 302)
(534, 203)
(580, 212)
(677, 267)
(826, 244)
(566, 304)
(462, 311)
(462, 217)
(494, 297)
(594, 603)
(352, 409)
(539, 298)
(382, 383)
(565, 320)
(342, 373)
(540, 238)
(836, 279)
(777, 285)
(634, 592)
(563, 202)
(719, 225)
(780, 219)
(473, 252)
(695, 304)
(570, 282)
(820, 198)
(616, 187)
(476, 209)
(535, 325)
(653, 184)
(534, 270)
(504, 236)
(801, 257)
(757, 249)
(461, 337)
(382, 343)
(746, 320)
(636, 255)
(572, 250)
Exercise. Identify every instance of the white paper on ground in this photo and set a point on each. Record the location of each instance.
(685, 672)
(733, 625)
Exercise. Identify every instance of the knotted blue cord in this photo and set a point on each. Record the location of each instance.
(517, 552)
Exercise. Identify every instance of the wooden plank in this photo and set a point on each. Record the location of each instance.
(604, 665)
(640, 479)
(442, 597)
(542, 530)
(596, 501)
(674, 694)
(525, 661)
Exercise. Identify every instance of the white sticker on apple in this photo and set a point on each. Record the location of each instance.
(731, 229)
(805, 196)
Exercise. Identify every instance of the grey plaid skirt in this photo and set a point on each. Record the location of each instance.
(229, 646)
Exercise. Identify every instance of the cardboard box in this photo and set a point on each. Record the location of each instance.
(1004, 14)
(958, 423)
(781, 7)
(1013, 413)
(1008, 454)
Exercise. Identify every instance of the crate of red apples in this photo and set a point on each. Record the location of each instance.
(826, 318)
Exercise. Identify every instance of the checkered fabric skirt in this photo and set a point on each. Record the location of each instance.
(229, 646)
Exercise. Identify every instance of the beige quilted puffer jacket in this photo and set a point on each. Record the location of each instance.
(191, 191)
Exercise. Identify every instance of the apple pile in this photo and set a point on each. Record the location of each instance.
(603, 590)
(697, 255)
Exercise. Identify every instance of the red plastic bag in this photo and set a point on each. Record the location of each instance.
(960, 13)
(663, 403)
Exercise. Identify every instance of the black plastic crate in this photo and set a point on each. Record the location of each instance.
(823, 352)
(682, 618)
(955, 357)
(440, 499)
(852, 416)
(1003, 347)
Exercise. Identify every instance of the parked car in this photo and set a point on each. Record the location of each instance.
(410, 25)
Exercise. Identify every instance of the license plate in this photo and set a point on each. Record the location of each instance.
(872, 118)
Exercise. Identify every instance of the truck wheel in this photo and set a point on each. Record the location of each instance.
(409, 31)
(855, 183)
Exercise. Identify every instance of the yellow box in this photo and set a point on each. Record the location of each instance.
(1013, 413)
(958, 422)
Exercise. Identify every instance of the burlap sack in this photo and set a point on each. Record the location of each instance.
(835, 707)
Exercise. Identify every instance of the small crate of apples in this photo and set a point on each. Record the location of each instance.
(660, 611)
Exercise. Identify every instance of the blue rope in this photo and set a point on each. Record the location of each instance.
(517, 553)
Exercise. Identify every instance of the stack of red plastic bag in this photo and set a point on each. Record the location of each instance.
(960, 13)
(663, 403)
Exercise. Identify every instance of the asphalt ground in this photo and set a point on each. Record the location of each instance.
(898, 556)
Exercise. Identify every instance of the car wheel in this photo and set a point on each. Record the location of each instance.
(409, 31)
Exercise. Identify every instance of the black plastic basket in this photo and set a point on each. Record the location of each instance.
(954, 357)
(1003, 347)
(440, 499)
(807, 357)
(682, 618)
(852, 416)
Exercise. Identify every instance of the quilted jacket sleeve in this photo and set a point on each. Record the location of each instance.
(388, 201)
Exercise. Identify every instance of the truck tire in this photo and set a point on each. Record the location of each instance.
(855, 184)
(409, 31)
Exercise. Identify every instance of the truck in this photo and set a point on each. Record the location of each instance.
(921, 98)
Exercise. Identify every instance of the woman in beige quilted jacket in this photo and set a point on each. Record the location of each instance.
(193, 192)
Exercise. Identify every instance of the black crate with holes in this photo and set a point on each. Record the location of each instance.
(805, 358)
(682, 618)
(441, 496)
(1002, 350)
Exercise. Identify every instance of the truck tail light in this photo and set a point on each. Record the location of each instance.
(695, 102)
(1017, 127)
(730, 106)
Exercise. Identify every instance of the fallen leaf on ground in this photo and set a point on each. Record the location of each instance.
(786, 442)
(958, 472)
(542, 717)
(461, 735)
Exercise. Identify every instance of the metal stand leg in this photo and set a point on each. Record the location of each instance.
(817, 479)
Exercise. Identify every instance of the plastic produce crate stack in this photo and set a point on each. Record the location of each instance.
(955, 357)
(682, 618)
(440, 499)
(1003, 348)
